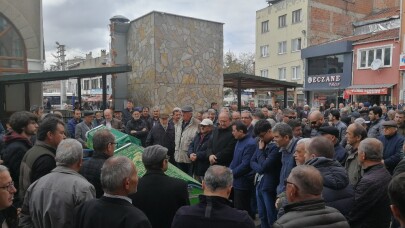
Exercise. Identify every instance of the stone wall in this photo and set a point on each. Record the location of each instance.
(176, 61)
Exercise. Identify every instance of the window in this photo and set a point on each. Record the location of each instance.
(330, 64)
(296, 72)
(282, 21)
(367, 56)
(281, 73)
(265, 26)
(264, 51)
(282, 47)
(12, 51)
(94, 83)
(295, 44)
(296, 16)
(264, 73)
(86, 85)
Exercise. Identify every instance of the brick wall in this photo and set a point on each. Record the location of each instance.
(332, 19)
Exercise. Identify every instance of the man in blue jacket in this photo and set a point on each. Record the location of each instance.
(393, 143)
(242, 173)
(266, 162)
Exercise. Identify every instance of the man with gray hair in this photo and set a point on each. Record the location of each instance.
(306, 208)
(119, 179)
(371, 203)
(159, 196)
(49, 202)
(214, 209)
(104, 146)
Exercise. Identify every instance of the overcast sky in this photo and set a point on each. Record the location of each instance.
(82, 25)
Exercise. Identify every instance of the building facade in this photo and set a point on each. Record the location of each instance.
(286, 27)
(21, 51)
(175, 61)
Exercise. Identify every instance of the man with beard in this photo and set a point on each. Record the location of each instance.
(40, 159)
(17, 142)
(137, 127)
(316, 120)
(127, 112)
(71, 124)
(111, 122)
(376, 129)
(163, 134)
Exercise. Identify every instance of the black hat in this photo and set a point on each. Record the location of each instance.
(329, 130)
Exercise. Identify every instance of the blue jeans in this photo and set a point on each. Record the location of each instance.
(265, 206)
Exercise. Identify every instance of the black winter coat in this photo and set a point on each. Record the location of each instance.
(91, 170)
(311, 213)
(212, 212)
(222, 145)
(199, 147)
(158, 136)
(337, 192)
(371, 203)
(137, 125)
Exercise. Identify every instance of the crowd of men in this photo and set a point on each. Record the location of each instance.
(301, 167)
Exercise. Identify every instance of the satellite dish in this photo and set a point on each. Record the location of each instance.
(376, 64)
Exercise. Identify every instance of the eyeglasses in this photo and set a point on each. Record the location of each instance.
(113, 143)
(9, 187)
(286, 182)
(313, 122)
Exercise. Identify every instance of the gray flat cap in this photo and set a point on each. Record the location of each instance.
(154, 154)
(187, 109)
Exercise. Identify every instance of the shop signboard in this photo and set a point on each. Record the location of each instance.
(365, 91)
(326, 81)
(402, 62)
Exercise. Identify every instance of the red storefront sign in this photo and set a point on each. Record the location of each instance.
(375, 91)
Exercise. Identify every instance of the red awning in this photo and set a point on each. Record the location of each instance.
(374, 91)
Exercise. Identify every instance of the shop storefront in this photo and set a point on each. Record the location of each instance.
(328, 72)
(374, 94)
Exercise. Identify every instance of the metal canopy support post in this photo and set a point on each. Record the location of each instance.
(239, 94)
(104, 78)
(79, 91)
(285, 97)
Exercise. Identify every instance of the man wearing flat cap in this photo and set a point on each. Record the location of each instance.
(159, 196)
(332, 134)
(393, 143)
(163, 134)
(83, 127)
(185, 132)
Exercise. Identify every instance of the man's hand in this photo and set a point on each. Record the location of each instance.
(213, 159)
(193, 157)
(261, 144)
(133, 132)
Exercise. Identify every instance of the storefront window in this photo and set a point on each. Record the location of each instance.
(324, 98)
(330, 64)
(12, 50)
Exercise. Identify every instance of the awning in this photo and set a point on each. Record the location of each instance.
(376, 89)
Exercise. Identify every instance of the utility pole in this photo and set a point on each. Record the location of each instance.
(62, 66)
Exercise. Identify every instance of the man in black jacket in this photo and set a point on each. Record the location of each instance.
(306, 208)
(40, 159)
(163, 134)
(159, 196)
(214, 209)
(198, 149)
(104, 146)
(119, 179)
(137, 127)
(222, 143)
(371, 203)
(17, 142)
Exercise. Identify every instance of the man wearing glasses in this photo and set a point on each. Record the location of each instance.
(306, 208)
(7, 191)
(316, 120)
(104, 146)
(289, 114)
